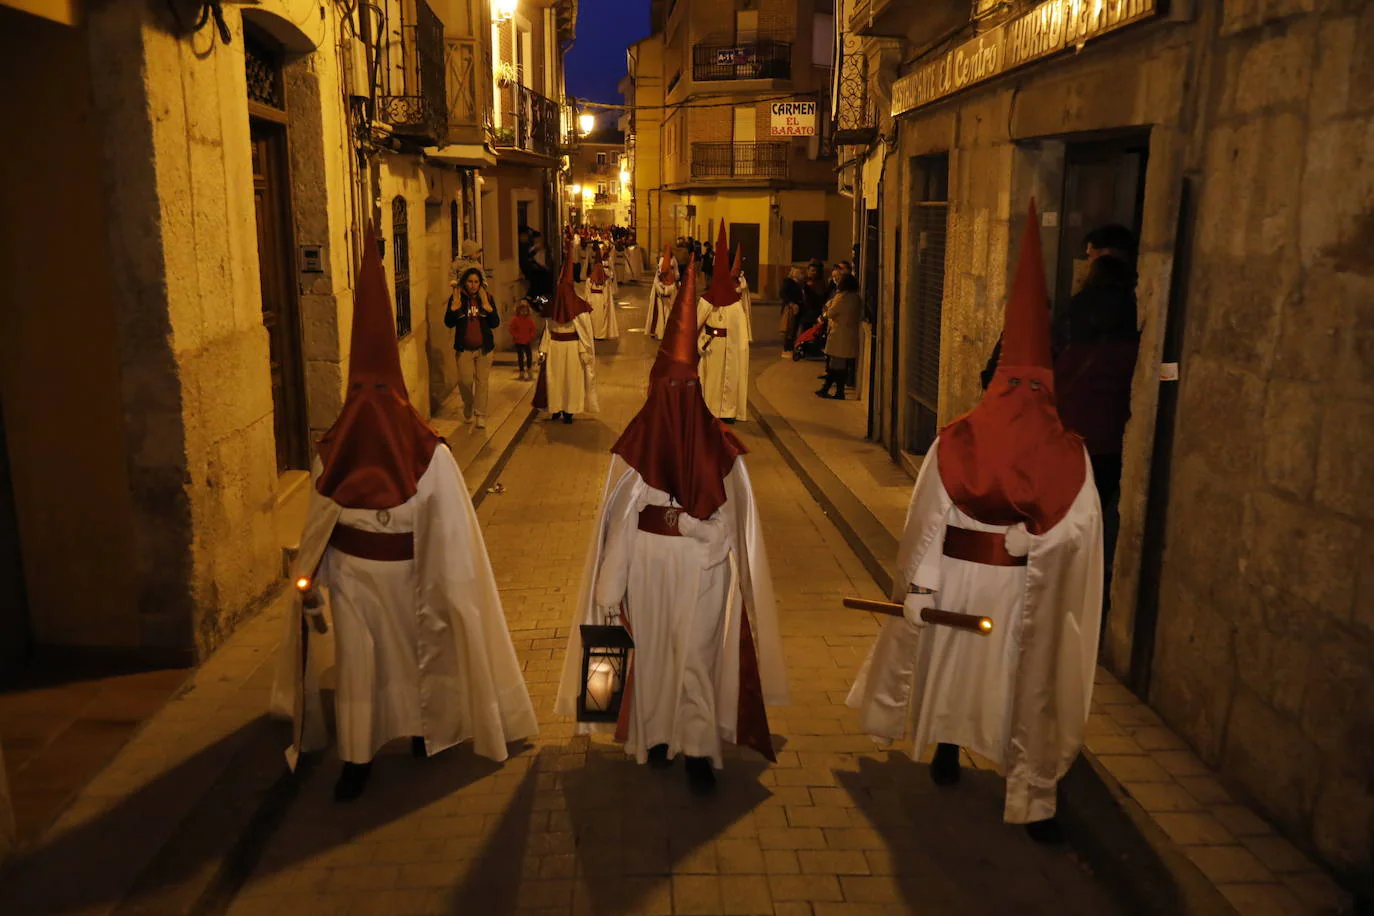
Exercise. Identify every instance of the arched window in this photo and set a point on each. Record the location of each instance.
(453, 229)
(400, 246)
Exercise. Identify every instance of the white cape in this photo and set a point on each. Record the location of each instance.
(570, 382)
(1019, 696)
(661, 298)
(470, 684)
(604, 326)
(724, 367)
(749, 591)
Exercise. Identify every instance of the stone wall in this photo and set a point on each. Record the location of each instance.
(1265, 656)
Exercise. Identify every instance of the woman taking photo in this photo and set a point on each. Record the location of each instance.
(473, 317)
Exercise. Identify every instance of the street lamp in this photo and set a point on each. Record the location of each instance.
(503, 10)
(575, 190)
(624, 177)
(587, 122)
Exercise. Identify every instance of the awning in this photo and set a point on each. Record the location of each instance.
(469, 155)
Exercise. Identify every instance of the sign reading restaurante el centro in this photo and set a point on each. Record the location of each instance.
(792, 119)
(1049, 28)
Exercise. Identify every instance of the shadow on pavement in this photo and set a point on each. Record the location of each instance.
(951, 853)
(634, 826)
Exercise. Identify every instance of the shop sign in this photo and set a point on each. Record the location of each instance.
(1050, 27)
(792, 119)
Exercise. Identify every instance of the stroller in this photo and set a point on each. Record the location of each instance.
(810, 344)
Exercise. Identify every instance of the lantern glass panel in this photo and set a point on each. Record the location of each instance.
(605, 662)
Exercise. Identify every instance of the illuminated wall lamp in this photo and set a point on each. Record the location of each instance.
(587, 123)
(503, 10)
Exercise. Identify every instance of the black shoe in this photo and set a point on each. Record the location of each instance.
(729, 420)
(1046, 832)
(701, 778)
(567, 417)
(823, 392)
(944, 769)
(418, 749)
(352, 781)
(658, 757)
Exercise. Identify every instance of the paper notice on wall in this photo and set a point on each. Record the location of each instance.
(1168, 372)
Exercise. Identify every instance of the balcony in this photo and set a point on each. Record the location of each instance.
(856, 122)
(756, 60)
(761, 160)
(469, 91)
(411, 97)
(602, 198)
(529, 123)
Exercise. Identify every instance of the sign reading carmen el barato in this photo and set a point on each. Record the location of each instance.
(1049, 28)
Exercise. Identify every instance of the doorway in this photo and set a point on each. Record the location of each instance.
(15, 637)
(1104, 184)
(930, 224)
(280, 311)
(744, 237)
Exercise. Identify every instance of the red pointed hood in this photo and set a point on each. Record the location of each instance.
(597, 280)
(738, 267)
(674, 442)
(1011, 460)
(667, 267)
(567, 304)
(378, 449)
(724, 291)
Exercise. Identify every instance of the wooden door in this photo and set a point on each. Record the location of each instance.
(1104, 184)
(280, 311)
(14, 610)
(746, 236)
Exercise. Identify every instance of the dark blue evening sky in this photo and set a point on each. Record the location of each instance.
(605, 28)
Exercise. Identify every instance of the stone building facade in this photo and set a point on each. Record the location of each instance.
(719, 67)
(179, 233)
(1234, 138)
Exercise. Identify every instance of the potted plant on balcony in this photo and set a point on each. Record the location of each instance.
(506, 75)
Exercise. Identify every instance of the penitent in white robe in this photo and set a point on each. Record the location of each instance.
(421, 645)
(684, 598)
(661, 298)
(602, 301)
(570, 368)
(746, 300)
(1018, 696)
(724, 367)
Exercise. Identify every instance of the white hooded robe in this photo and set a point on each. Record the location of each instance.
(684, 598)
(724, 367)
(1018, 696)
(421, 645)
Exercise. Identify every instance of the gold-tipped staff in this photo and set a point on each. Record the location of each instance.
(970, 622)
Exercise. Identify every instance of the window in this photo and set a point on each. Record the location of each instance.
(810, 239)
(823, 40)
(600, 158)
(601, 187)
(400, 247)
(453, 229)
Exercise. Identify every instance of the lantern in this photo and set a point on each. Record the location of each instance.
(587, 122)
(503, 10)
(605, 662)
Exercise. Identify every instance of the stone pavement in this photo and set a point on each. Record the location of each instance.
(1148, 769)
(567, 825)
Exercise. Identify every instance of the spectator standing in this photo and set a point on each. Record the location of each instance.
(522, 331)
(793, 300)
(473, 318)
(843, 314)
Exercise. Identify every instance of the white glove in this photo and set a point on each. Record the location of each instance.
(608, 614)
(710, 533)
(915, 603)
(585, 357)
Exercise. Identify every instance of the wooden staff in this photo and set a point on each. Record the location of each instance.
(970, 622)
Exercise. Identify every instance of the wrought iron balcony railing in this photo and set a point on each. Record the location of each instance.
(751, 60)
(529, 122)
(765, 159)
(411, 97)
(856, 120)
(602, 197)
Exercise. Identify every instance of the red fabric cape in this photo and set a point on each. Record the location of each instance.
(379, 447)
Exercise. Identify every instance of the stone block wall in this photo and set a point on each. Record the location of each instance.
(1265, 655)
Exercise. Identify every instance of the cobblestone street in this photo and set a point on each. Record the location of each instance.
(569, 825)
